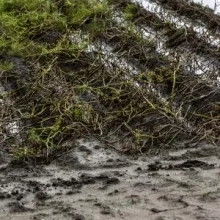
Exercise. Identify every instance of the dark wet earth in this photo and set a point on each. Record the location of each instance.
(96, 182)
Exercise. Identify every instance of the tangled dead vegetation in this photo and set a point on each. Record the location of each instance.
(69, 69)
(193, 11)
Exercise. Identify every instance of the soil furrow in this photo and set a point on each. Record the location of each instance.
(193, 11)
(176, 36)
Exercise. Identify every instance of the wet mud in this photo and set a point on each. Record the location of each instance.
(93, 181)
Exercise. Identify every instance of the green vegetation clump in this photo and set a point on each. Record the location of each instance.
(38, 58)
(131, 11)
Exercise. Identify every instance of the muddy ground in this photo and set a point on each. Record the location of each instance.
(93, 181)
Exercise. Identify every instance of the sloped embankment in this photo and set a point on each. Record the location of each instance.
(128, 78)
(59, 83)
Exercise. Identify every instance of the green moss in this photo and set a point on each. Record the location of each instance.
(81, 11)
(131, 11)
(21, 22)
(6, 66)
(18, 6)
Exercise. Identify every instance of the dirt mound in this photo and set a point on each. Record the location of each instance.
(115, 70)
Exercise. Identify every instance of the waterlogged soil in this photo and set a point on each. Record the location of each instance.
(93, 181)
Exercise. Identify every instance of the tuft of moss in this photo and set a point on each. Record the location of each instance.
(131, 11)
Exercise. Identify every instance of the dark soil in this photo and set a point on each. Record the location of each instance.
(193, 11)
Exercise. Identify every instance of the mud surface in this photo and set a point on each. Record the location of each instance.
(95, 182)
